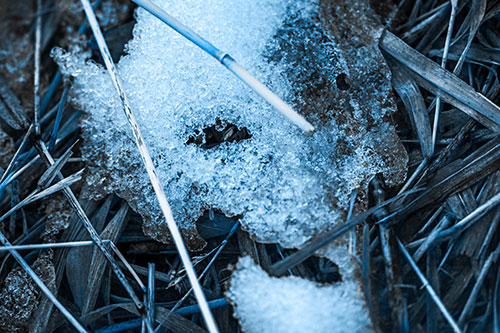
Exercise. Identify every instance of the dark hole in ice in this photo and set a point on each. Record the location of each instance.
(342, 83)
(215, 224)
(213, 136)
(323, 270)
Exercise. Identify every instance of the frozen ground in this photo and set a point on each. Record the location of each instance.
(287, 186)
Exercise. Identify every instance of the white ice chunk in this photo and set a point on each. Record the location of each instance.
(287, 185)
(291, 304)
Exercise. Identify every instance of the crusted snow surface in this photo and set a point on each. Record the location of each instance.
(287, 185)
(292, 304)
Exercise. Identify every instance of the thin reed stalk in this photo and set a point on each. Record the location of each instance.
(150, 168)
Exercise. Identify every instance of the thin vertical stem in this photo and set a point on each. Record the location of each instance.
(151, 294)
(352, 233)
(36, 83)
(496, 323)
(150, 168)
(454, 7)
(57, 122)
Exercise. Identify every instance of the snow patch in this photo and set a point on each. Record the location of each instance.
(291, 304)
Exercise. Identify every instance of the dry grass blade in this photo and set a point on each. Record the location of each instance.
(176, 323)
(205, 270)
(60, 185)
(100, 312)
(414, 11)
(396, 300)
(461, 225)
(42, 286)
(11, 110)
(57, 122)
(432, 271)
(431, 238)
(77, 262)
(477, 286)
(477, 53)
(478, 10)
(75, 205)
(366, 267)
(429, 289)
(98, 262)
(415, 105)
(150, 168)
(447, 98)
(489, 235)
(458, 175)
(14, 175)
(36, 78)
(476, 239)
(454, 8)
(467, 221)
(127, 265)
(12, 162)
(414, 33)
(151, 294)
(492, 10)
(320, 241)
(444, 154)
(51, 172)
(160, 276)
(430, 221)
(49, 245)
(437, 26)
(309, 249)
(480, 108)
(451, 24)
(414, 176)
(496, 306)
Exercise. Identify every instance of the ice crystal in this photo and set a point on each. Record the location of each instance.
(287, 185)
